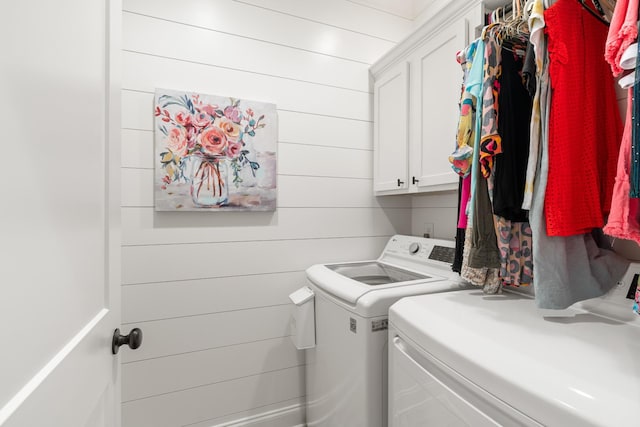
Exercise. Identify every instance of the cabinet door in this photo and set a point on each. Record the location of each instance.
(390, 133)
(437, 79)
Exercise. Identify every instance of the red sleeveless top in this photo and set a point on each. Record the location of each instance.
(584, 122)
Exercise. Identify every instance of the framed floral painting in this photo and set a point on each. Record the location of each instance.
(214, 153)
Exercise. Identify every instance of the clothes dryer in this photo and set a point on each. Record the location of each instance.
(468, 359)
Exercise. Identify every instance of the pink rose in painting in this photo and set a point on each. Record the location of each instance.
(232, 130)
(183, 118)
(209, 109)
(234, 149)
(177, 141)
(233, 114)
(213, 141)
(201, 120)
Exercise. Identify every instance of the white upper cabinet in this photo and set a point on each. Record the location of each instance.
(391, 129)
(416, 94)
(435, 110)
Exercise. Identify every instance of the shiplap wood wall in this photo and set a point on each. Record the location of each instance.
(208, 289)
(438, 209)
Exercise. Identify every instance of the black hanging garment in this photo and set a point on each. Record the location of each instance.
(460, 233)
(515, 105)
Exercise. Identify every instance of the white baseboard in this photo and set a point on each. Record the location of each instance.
(287, 416)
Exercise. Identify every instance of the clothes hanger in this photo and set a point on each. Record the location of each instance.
(516, 25)
(522, 25)
(593, 13)
(513, 33)
(496, 15)
(608, 6)
(598, 7)
(488, 28)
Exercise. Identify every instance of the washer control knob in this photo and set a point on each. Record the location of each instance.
(414, 248)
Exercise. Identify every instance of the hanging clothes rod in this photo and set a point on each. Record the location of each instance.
(598, 15)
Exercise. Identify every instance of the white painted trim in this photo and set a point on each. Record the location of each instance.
(113, 135)
(32, 385)
(269, 416)
(113, 193)
(410, 43)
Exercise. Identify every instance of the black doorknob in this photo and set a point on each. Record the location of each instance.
(133, 340)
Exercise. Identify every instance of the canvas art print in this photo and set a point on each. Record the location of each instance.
(214, 153)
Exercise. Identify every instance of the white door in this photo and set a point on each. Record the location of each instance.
(59, 215)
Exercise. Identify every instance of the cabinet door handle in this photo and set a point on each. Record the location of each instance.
(400, 182)
(414, 180)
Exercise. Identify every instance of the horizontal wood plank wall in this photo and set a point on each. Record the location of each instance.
(438, 209)
(210, 290)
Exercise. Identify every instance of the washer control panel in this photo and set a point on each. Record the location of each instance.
(443, 253)
(420, 249)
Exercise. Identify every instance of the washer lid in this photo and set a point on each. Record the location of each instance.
(577, 370)
(374, 273)
(350, 281)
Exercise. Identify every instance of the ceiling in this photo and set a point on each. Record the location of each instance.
(410, 9)
(406, 8)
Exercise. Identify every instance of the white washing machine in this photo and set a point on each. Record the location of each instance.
(346, 371)
(466, 359)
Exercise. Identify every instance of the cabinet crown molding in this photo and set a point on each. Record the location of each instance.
(454, 9)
